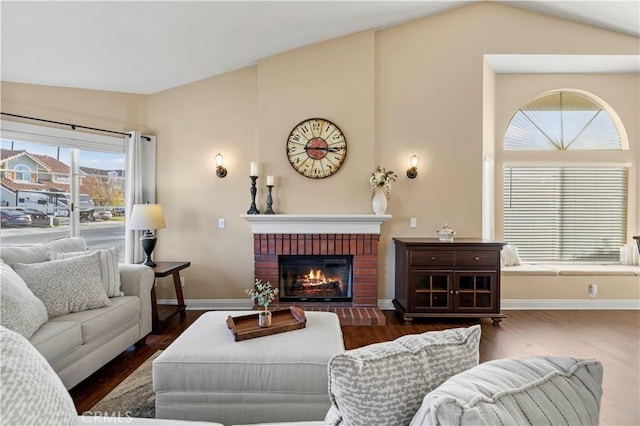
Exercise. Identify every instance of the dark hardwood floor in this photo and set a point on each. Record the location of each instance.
(612, 337)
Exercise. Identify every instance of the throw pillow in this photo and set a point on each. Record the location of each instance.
(32, 393)
(109, 272)
(384, 383)
(65, 286)
(22, 311)
(535, 390)
(509, 256)
(629, 255)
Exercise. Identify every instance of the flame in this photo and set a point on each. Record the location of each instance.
(316, 276)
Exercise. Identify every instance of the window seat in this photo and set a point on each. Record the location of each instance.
(571, 269)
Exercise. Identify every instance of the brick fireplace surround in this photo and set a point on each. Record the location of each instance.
(360, 241)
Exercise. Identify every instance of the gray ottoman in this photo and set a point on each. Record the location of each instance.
(206, 375)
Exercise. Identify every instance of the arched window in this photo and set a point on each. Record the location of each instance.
(22, 173)
(562, 120)
(560, 210)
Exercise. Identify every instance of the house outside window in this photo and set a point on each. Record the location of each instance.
(563, 207)
(67, 185)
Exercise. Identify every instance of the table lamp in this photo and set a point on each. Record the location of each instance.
(147, 218)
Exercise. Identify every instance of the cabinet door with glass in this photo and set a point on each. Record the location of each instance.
(475, 291)
(432, 290)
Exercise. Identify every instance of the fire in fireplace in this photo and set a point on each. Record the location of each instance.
(315, 278)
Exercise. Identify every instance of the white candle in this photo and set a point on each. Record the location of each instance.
(270, 180)
(254, 169)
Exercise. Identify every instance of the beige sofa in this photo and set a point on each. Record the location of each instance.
(79, 343)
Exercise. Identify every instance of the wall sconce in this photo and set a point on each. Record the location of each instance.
(413, 170)
(220, 170)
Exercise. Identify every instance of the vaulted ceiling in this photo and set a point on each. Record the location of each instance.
(150, 46)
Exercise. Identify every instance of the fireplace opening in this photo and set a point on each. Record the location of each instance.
(316, 278)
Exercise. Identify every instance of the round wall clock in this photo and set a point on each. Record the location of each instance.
(316, 148)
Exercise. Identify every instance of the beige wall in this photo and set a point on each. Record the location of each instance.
(333, 80)
(91, 108)
(415, 88)
(194, 123)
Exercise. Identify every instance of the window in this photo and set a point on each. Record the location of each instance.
(560, 121)
(565, 214)
(21, 173)
(562, 207)
(83, 170)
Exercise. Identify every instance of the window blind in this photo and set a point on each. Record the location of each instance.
(565, 214)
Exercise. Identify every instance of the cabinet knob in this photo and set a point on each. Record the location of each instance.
(476, 258)
(456, 292)
(450, 291)
(432, 258)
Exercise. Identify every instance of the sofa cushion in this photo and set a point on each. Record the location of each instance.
(384, 383)
(37, 253)
(69, 244)
(24, 254)
(108, 267)
(64, 286)
(32, 393)
(535, 390)
(56, 339)
(96, 322)
(21, 310)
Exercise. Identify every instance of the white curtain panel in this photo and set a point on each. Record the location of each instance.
(140, 172)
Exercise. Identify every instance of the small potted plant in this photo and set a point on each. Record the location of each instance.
(263, 294)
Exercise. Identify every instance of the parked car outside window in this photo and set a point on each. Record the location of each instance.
(102, 215)
(37, 217)
(14, 218)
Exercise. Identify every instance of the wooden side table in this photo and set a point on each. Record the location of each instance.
(162, 312)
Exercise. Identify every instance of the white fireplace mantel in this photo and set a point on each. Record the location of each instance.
(316, 223)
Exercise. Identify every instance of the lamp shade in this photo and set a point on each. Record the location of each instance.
(146, 216)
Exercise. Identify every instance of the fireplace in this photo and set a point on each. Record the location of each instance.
(315, 242)
(315, 278)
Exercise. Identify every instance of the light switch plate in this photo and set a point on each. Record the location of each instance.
(221, 223)
(413, 222)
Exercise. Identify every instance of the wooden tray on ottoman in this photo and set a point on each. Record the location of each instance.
(246, 326)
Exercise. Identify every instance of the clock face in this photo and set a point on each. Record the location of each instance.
(316, 148)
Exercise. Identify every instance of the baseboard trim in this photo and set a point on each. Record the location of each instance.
(570, 304)
(387, 305)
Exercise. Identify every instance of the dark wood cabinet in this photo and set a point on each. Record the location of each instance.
(447, 279)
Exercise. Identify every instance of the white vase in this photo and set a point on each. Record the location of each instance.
(379, 201)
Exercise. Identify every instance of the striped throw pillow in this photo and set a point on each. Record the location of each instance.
(532, 391)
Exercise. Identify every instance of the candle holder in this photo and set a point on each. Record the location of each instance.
(253, 209)
(269, 209)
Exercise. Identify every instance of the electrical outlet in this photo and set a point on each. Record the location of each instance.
(593, 290)
(221, 223)
(413, 222)
(183, 281)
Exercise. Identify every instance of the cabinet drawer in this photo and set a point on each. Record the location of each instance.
(436, 258)
(477, 258)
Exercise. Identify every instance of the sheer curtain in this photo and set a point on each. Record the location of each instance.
(140, 186)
